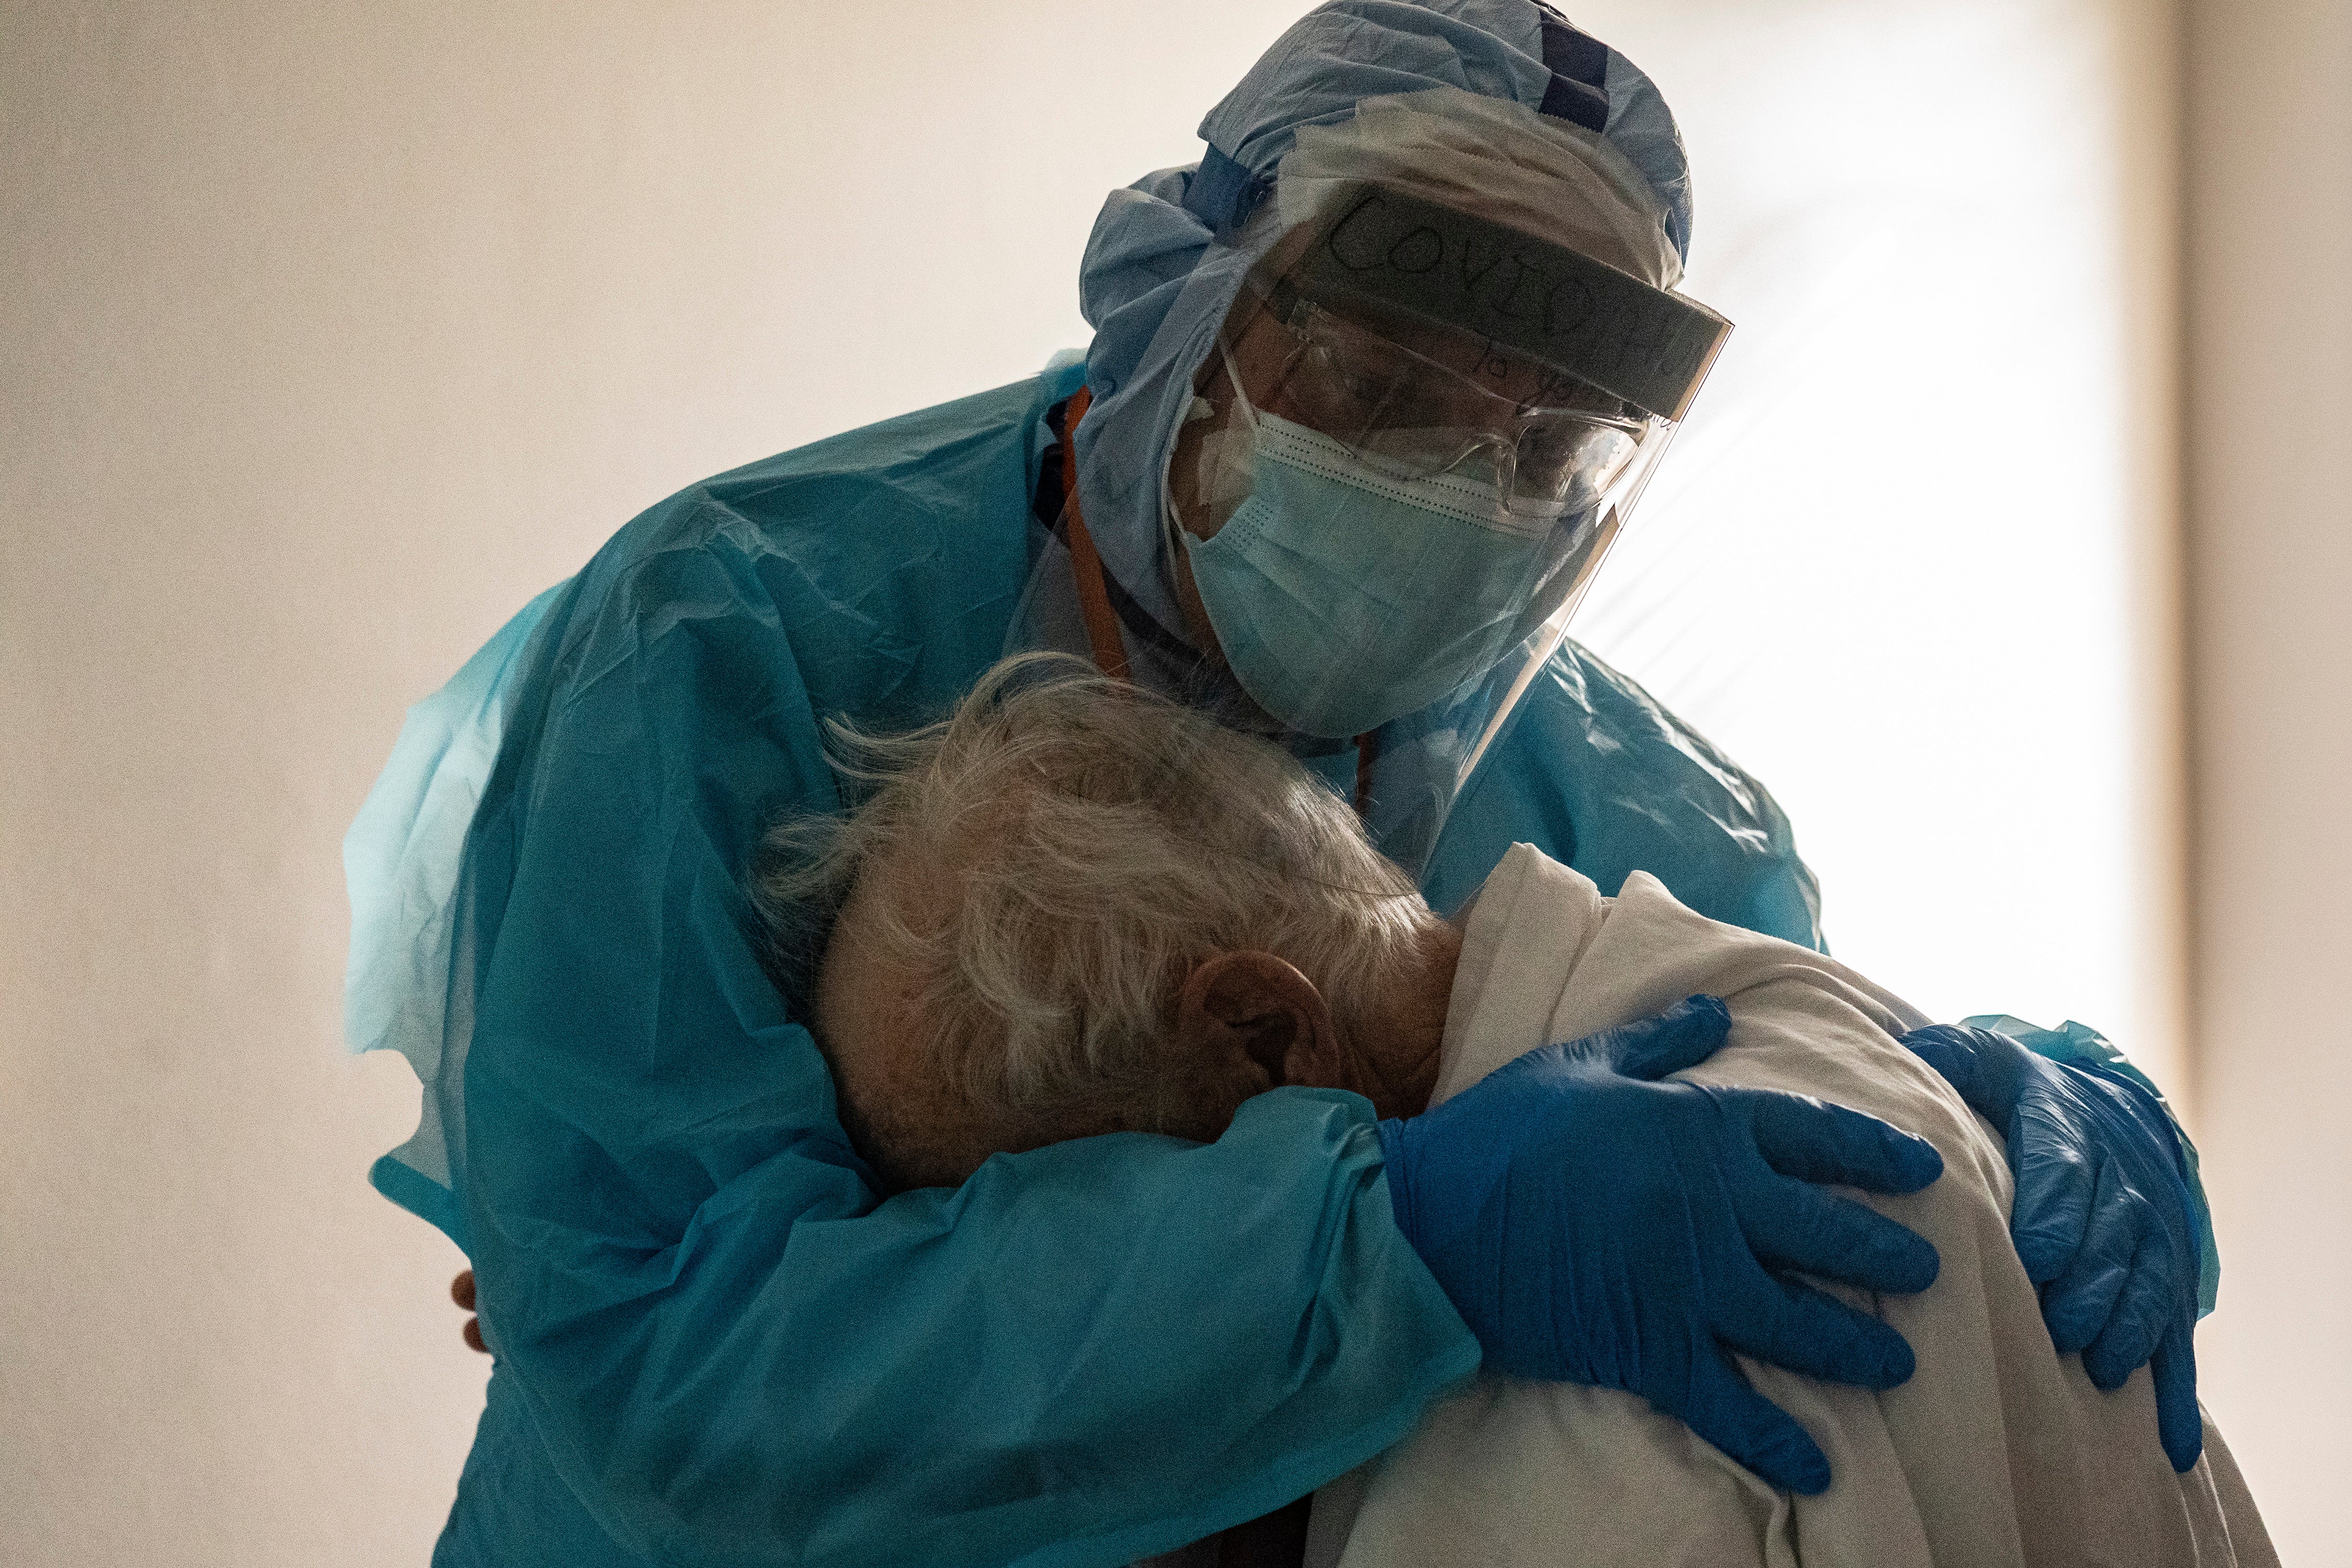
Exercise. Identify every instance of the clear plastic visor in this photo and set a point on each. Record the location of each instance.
(1389, 482)
(1370, 527)
(1385, 518)
(1416, 401)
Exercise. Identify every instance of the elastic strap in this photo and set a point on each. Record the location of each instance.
(1368, 755)
(1578, 64)
(1223, 192)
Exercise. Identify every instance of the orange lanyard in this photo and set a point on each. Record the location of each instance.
(1094, 599)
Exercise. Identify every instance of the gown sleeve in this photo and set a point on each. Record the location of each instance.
(1598, 773)
(712, 1338)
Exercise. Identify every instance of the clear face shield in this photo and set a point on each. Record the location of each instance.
(1416, 439)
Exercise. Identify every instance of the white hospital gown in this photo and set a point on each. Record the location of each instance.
(1996, 1452)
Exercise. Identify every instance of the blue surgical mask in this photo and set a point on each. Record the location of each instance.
(1343, 598)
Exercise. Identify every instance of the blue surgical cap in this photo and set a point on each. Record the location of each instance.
(1161, 268)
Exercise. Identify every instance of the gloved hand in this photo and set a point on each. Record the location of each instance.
(1595, 1227)
(2101, 1218)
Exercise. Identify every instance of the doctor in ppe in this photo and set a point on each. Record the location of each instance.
(1371, 390)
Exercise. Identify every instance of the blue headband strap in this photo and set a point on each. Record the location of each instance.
(1223, 191)
(1579, 63)
(1393, 251)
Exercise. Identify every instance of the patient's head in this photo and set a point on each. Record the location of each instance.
(1074, 908)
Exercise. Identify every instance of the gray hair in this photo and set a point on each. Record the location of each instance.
(1082, 844)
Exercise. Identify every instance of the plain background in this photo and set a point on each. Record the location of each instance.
(2009, 546)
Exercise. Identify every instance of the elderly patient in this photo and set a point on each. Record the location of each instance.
(1074, 909)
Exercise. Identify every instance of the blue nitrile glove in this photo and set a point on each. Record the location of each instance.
(1593, 1226)
(2102, 1217)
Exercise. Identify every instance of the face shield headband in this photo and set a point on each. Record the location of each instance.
(1388, 250)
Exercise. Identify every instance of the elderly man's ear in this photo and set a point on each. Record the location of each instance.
(1252, 1021)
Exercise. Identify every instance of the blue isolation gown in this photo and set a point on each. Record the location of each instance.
(714, 1344)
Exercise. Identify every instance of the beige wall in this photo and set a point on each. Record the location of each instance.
(332, 333)
(2269, 571)
(1913, 562)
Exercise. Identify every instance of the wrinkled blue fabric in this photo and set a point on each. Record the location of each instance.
(725, 1349)
(1632, 1181)
(408, 977)
(2112, 1239)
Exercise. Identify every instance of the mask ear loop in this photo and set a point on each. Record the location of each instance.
(1172, 525)
(1234, 376)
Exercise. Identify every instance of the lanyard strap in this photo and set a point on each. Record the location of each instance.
(1094, 599)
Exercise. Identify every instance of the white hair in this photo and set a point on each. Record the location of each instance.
(1056, 856)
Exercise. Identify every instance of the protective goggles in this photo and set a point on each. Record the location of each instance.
(1558, 448)
(1593, 362)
